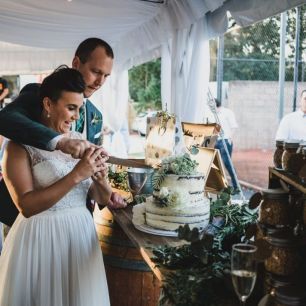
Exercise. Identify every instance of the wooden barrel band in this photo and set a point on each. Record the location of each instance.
(115, 241)
(126, 264)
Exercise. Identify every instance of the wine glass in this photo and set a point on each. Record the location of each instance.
(243, 268)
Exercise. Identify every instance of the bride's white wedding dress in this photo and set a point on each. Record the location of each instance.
(53, 258)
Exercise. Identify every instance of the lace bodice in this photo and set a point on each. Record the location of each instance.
(49, 167)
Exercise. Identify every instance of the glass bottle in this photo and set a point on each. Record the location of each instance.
(290, 296)
(277, 157)
(274, 208)
(290, 148)
(284, 259)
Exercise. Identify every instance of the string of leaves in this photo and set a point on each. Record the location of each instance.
(164, 117)
(203, 264)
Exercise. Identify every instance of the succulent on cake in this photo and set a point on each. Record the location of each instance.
(168, 198)
(179, 165)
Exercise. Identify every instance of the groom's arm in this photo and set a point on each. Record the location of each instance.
(19, 121)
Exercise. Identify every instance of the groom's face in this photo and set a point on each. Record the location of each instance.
(95, 70)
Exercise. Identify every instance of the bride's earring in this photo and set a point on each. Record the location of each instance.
(48, 115)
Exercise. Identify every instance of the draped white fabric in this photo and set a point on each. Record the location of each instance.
(17, 59)
(137, 30)
(132, 27)
(187, 57)
(113, 102)
(246, 12)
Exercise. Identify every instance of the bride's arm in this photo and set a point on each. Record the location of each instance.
(100, 190)
(18, 178)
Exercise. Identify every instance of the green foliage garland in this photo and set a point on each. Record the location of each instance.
(202, 265)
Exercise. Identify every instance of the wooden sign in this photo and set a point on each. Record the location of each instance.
(200, 134)
(211, 164)
(160, 140)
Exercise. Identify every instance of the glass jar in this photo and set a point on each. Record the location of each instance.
(304, 209)
(274, 208)
(263, 230)
(267, 300)
(290, 296)
(277, 157)
(301, 146)
(284, 259)
(290, 148)
(275, 281)
(302, 170)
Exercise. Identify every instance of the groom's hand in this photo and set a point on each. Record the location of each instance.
(116, 201)
(75, 147)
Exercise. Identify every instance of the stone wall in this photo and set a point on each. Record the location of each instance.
(255, 104)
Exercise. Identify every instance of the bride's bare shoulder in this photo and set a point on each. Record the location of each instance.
(14, 151)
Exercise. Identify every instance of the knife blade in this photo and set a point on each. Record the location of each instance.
(128, 162)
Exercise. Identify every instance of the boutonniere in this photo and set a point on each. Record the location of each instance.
(95, 119)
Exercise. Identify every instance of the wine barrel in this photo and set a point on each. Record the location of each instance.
(130, 280)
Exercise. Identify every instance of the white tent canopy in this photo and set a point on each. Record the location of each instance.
(132, 27)
(37, 36)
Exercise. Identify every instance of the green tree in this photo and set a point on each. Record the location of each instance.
(252, 53)
(144, 85)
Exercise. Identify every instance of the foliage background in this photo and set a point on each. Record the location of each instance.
(250, 53)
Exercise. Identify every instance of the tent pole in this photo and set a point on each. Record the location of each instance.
(282, 64)
(297, 55)
(220, 67)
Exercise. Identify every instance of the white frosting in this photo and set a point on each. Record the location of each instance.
(188, 205)
(201, 207)
(187, 189)
(168, 226)
(139, 211)
(185, 183)
(182, 219)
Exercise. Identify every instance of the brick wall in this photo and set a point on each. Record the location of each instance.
(255, 104)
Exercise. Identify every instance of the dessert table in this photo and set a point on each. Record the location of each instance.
(144, 242)
(133, 278)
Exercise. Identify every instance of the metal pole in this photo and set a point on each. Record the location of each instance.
(282, 64)
(220, 67)
(212, 104)
(297, 56)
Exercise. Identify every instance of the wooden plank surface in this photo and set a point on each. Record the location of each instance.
(143, 241)
(290, 179)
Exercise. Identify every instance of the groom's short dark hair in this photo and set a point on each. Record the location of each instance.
(87, 46)
(62, 79)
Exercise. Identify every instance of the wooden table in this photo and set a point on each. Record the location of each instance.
(293, 180)
(143, 241)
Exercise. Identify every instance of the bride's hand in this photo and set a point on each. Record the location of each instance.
(101, 175)
(91, 163)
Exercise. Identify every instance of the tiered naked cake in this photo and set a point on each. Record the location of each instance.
(178, 196)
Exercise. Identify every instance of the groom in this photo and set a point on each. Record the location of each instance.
(19, 120)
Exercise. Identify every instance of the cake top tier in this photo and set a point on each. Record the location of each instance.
(175, 166)
(178, 164)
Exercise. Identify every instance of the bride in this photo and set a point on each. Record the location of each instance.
(51, 256)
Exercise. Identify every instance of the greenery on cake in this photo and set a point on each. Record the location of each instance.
(179, 165)
(201, 266)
